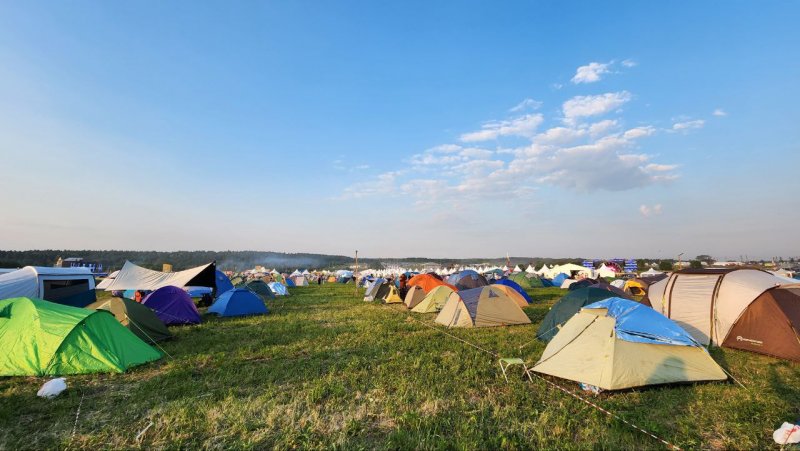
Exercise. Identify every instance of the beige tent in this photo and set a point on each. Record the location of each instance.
(434, 300)
(481, 307)
(414, 296)
(708, 303)
(512, 293)
(617, 343)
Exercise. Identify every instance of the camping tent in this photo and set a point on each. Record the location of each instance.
(299, 281)
(260, 288)
(521, 279)
(238, 302)
(68, 286)
(467, 279)
(427, 282)
(516, 287)
(434, 300)
(481, 307)
(651, 272)
(222, 282)
(512, 293)
(41, 338)
(414, 296)
(279, 289)
(570, 304)
(173, 306)
(617, 343)
(710, 304)
(142, 321)
(567, 283)
(639, 287)
(606, 271)
(372, 290)
(133, 277)
(559, 279)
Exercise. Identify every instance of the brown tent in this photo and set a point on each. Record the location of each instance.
(770, 324)
(732, 308)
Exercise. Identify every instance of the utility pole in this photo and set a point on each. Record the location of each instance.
(679, 261)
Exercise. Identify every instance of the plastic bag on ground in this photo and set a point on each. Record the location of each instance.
(786, 434)
(52, 388)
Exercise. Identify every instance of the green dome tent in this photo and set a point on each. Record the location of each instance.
(521, 279)
(260, 288)
(570, 304)
(41, 338)
(142, 321)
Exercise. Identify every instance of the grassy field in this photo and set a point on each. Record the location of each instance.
(326, 370)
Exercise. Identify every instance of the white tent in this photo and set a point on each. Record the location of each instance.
(517, 269)
(650, 273)
(605, 271)
(708, 303)
(134, 277)
(530, 269)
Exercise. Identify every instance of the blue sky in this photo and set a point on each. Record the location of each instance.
(441, 129)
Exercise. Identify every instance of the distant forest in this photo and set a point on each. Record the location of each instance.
(240, 260)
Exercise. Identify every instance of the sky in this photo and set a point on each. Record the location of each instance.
(437, 129)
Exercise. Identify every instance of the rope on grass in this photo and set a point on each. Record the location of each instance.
(77, 414)
(148, 336)
(530, 372)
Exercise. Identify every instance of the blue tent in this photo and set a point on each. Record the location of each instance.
(238, 302)
(290, 282)
(223, 283)
(278, 288)
(559, 279)
(516, 287)
(467, 279)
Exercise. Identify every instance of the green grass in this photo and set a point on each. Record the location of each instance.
(326, 370)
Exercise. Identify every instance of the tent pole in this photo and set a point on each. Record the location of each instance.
(355, 293)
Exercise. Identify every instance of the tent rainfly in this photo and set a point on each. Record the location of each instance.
(617, 344)
(134, 277)
(481, 307)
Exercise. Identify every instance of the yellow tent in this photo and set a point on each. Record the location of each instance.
(392, 297)
(481, 307)
(617, 343)
(433, 301)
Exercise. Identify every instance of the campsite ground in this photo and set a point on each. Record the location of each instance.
(328, 370)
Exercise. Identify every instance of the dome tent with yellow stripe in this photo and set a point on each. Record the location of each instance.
(616, 344)
(481, 307)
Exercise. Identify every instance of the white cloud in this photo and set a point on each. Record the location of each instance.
(522, 126)
(583, 106)
(688, 125)
(602, 127)
(719, 112)
(591, 72)
(648, 211)
(639, 132)
(629, 63)
(526, 104)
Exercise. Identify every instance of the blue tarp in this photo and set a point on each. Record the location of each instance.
(238, 302)
(516, 287)
(641, 324)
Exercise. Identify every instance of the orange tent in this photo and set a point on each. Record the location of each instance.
(428, 282)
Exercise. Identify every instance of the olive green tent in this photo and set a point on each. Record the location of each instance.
(138, 318)
(41, 338)
(260, 288)
(570, 304)
(521, 279)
